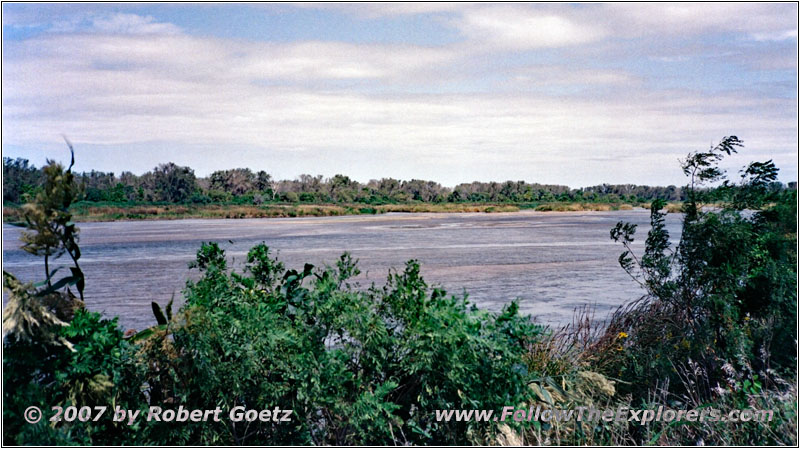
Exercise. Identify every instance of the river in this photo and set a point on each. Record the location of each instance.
(552, 262)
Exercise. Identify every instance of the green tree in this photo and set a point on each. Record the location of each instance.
(19, 178)
(172, 183)
(720, 299)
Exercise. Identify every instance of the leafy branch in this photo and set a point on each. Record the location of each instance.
(50, 231)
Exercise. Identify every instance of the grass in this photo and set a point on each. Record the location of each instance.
(86, 212)
(447, 208)
(574, 371)
(574, 366)
(583, 207)
(89, 211)
(173, 212)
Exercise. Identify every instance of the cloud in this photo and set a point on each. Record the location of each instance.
(503, 26)
(537, 93)
(188, 90)
(551, 75)
(389, 9)
(132, 24)
(774, 36)
(333, 60)
(55, 18)
(556, 25)
(522, 28)
(682, 19)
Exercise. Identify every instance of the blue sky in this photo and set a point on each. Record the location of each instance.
(551, 93)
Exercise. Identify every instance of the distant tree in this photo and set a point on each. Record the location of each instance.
(264, 184)
(342, 189)
(237, 181)
(19, 178)
(308, 183)
(172, 183)
(420, 190)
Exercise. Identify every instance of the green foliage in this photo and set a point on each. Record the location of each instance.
(717, 326)
(722, 299)
(88, 373)
(357, 367)
(264, 269)
(756, 187)
(30, 317)
(701, 168)
(20, 180)
(655, 267)
(50, 230)
(236, 182)
(209, 257)
(170, 183)
(54, 352)
(161, 319)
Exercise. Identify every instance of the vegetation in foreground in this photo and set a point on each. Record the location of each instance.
(716, 328)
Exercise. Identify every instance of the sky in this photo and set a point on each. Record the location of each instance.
(575, 94)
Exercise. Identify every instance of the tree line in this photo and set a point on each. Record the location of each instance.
(171, 183)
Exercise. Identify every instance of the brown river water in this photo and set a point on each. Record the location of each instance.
(551, 262)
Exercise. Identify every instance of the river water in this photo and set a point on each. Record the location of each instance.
(551, 262)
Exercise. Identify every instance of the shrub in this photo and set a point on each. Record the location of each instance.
(357, 367)
(707, 331)
(87, 371)
(716, 305)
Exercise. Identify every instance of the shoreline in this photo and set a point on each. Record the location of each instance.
(89, 212)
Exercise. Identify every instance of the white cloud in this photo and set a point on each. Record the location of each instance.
(189, 90)
(333, 60)
(336, 104)
(91, 21)
(390, 9)
(549, 75)
(522, 28)
(686, 19)
(775, 36)
(555, 25)
(132, 24)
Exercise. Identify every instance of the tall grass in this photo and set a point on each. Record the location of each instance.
(577, 365)
(583, 207)
(115, 212)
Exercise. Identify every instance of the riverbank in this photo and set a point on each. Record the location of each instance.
(96, 212)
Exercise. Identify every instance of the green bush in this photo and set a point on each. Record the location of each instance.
(91, 371)
(724, 297)
(716, 328)
(357, 367)
(719, 320)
